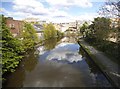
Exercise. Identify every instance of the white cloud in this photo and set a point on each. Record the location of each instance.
(34, 8)
(3, 10)
(98, 0)
(68, 3)
(29, 3)
(59, 13)
(54, 13)
(30, 6)
(87, 16)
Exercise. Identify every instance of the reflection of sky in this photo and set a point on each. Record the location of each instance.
(64, 51)
(41, 50)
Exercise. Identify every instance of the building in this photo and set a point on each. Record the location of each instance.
(39, 30)
(42, 22)
(64, 26)
(15, 26)
(115, 22)
(31, 20)
(35, 20)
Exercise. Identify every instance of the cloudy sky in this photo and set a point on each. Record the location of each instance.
(52, 10)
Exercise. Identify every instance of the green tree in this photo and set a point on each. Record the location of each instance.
(11, 49)
(100, 28)
(84, 28)
(50, 31)
(29, 36)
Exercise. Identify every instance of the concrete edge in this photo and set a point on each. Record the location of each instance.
(98, 65)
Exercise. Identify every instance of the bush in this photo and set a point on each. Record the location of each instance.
(11, 49)
(51, 32)
(29, 36)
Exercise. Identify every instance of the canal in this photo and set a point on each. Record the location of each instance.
(57, 63)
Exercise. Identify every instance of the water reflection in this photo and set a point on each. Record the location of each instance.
(57, 64)
(65, 51)
(51, 43)
(95, 73)
(16, 79)
(30, 61)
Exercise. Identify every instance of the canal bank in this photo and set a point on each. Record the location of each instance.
(57, 64)
(109, 68)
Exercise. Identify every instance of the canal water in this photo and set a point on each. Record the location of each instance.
(57, 63)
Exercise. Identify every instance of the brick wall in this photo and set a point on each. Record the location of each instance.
(15, 26)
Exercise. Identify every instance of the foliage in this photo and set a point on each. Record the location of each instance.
(28, 36)
(59, 34)
(112, 9)
(99, 31)
(100, 28)
(51, 43)
(11, 49)
(83, 28)
(51, 32)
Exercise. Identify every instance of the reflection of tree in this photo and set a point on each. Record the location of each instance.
(89, 61)
(81, 51)
(30, 61)
(94, 69)
(16, 79)
(51, 43)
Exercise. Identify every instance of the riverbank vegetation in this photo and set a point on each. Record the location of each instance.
(98, 33)
(104, 32)
(13, 48)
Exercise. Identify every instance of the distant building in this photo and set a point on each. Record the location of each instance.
(57, 26)
(39, 30)
(31, 20)
(15, 26)
(42, 22)
(63, 27)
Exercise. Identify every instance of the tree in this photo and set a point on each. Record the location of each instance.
(29, 36)
(111, 8)
(100, 28)
(49, 31)
(11, 49)
(84, 28)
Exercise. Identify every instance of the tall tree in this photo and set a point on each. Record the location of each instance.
(100, 27)
(11, 48)
(29, 36)
(83, 28)
(49, 31)
(111, 8)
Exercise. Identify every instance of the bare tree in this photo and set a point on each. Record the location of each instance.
(111, 8)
